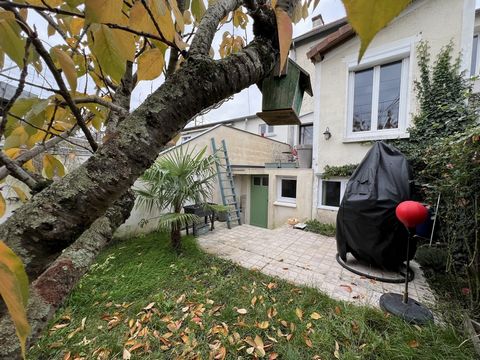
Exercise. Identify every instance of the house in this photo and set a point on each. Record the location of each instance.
(358, 103)
(269, 188)
(255, 125)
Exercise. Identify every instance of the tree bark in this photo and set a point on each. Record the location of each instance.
(55, 217)
(51, 288)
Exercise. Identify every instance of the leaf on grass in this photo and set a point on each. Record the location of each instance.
(308, 342)
(315, 316)
(285, 31)
(338, 310)
(126, 355)
(299, 313)
(336, 353)
(263, 325)
(413, 344)
(368, 17)
(242, 311)
(14, 291)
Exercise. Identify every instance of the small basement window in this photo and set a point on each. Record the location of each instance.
(331, 193)
(287, 189)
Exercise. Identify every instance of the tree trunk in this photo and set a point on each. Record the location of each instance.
(176, 238)
(55, 217)
(51, 288)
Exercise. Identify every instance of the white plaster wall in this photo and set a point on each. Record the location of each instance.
(279, 214)
(435, 21)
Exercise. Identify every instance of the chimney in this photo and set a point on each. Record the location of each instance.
(317, 21)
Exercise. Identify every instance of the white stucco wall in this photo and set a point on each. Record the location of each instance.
(436, 21)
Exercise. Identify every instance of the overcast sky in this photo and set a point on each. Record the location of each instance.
(245, 103)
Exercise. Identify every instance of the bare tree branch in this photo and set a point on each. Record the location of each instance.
(208, 26)
(58, 78)
(16, 171)
(18, 91)
(98, 100)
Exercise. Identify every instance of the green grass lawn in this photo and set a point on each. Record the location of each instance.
(142, 297)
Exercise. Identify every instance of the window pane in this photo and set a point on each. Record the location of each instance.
(265, 181)
(331, 193)
(270, 129)
(362, 100)
(256, 180)
(474, 55)
(289, 188)
(306, 134)
(389, 95)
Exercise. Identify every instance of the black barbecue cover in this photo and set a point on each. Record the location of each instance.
(366, 223)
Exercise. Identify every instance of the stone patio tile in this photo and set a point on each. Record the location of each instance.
(307, 259)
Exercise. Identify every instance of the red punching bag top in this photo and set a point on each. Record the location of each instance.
(411, 213)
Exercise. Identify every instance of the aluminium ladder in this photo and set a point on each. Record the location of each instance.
(227, 186)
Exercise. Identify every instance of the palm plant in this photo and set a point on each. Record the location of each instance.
(179, 177)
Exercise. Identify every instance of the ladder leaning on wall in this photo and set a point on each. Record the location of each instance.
(227, 186)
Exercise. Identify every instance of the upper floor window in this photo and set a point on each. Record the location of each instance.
(474, 69)
(377, 100)
(265, 130)
(306, 134)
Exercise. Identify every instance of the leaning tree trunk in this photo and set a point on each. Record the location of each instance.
(49, 290)
(59, 214)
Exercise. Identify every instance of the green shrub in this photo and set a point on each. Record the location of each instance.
(434, 258)
(317, 227)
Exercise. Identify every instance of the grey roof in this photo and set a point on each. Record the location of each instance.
(222, 122)
(319, 32)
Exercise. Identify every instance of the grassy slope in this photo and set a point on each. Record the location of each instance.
(144, 270)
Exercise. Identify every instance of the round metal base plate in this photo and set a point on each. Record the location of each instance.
(412, 312)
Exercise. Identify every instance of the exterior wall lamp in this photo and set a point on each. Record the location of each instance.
(327, 134)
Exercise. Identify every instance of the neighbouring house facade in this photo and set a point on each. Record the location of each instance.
(270, 190)
(359, 103)
(353, 105)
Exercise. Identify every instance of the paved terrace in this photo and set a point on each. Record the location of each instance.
(304, 258)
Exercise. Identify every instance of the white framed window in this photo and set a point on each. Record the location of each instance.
(377, 105)
(266, 130)
(305, 134)
(287, 189)
(330, 192)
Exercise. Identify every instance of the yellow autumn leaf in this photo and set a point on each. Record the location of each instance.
(3, 205)
(198, 9)
(17, 137)
(150, 64)
(112, 48)
(178, 15)
(52, 166)
(285, 31)
(29, 166)
(68, 67)
(299, 313)
(20, 193)
(14, 291)
(10, 41)
(103, 11)
(166, 25)
(368, 17)
(76, 25)
(51, 3)
(315, 316)
(12, 153)
(140, 20)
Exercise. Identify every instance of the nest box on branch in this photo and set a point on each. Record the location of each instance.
(283, 95)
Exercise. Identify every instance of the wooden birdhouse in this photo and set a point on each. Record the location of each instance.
(283, 95)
